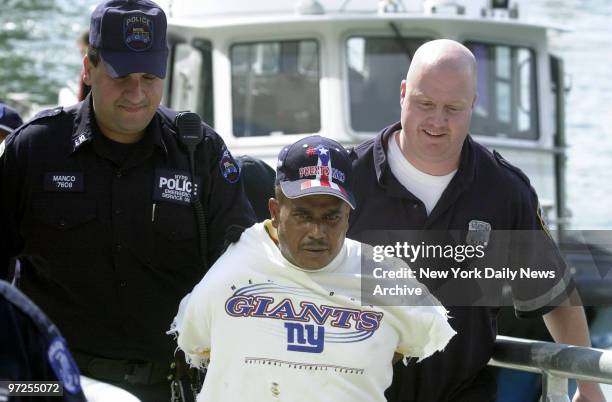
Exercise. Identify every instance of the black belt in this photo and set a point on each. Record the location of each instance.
(130, 371)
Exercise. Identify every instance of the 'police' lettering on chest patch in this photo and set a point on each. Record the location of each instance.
(174, 186)
(64, 181)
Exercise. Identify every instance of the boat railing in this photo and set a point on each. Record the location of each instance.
(555, 362)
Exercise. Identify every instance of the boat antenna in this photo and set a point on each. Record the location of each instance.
(400, 40)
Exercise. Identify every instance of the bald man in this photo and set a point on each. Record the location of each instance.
(426, 172)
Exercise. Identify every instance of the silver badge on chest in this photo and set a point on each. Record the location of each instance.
(479, 233)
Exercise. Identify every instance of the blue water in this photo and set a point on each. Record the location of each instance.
(38, 55)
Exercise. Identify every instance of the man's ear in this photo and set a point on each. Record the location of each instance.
(402, 92)
(86, 70)
(274, 207)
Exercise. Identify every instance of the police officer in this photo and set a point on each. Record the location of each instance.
(99, 200)
(426, 173)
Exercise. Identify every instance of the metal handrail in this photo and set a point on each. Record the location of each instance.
(556, 362)
(568, 361)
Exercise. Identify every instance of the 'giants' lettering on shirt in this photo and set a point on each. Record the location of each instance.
(267, 307)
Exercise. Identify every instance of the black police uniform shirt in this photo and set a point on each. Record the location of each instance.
(485, 188)
(111, 241)
(32, 349)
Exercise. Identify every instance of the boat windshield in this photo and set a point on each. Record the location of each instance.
(507, 91)
(507, 86)
(376, 67)
(275, 88)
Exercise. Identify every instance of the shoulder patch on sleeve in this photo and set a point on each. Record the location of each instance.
(504, 163)
(542, 220)
(228, 166)
(63, 365)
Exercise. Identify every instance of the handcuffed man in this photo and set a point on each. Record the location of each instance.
(280, 314)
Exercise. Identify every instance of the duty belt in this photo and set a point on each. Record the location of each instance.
(130, 371)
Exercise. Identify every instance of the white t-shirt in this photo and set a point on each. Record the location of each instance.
(425, 187)
(276, 332)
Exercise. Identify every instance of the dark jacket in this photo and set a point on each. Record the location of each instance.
(108, 232)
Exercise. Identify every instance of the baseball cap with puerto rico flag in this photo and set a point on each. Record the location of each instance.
(315, 165)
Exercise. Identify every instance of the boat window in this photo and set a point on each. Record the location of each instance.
(376, 67)
(205, 102)
(275, 88)
(192, 79)
(507, 92)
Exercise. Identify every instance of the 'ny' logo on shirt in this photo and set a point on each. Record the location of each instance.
(302, 337)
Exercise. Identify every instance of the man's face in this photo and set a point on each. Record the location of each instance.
(436, 111)
(123, 106)
(311, 229)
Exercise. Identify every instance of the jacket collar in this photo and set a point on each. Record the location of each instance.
(462, 179)
(86, 127)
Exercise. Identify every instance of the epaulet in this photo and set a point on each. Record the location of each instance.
(167, 115)
(48, 113)
(504, 163)
(352, 153)
(38, 116)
